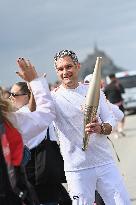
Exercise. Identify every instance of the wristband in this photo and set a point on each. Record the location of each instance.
(105, 129)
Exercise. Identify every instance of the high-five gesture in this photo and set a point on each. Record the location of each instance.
(27, 71)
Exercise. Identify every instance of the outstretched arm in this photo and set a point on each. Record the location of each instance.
(33, 123)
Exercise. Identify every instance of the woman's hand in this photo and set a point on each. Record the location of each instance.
(27, 71)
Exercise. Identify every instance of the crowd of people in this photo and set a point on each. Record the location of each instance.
(92, 175)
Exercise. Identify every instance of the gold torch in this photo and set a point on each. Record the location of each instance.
(92, 99)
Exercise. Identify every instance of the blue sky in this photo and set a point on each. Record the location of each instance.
(38, 29)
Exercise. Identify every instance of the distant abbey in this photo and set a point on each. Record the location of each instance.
(108, 66)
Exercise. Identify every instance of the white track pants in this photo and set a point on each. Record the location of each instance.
(105, 179)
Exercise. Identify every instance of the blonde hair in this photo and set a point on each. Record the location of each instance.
(5, 106)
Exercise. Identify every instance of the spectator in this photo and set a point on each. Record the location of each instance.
(21, 123)
(48, 193)
(113, 92)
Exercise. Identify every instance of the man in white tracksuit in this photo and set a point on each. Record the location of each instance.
(94, 168)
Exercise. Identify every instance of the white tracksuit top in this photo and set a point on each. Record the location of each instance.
(69, 124)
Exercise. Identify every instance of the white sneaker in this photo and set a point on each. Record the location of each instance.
(122, 134)
(116, 136)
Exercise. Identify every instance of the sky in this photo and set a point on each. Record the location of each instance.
(37, 29)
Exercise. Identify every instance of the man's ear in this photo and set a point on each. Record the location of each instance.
(78, 66)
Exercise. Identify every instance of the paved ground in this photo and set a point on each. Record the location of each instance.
(126, 148)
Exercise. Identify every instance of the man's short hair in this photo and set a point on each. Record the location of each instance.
(64, 53)
(112, 75)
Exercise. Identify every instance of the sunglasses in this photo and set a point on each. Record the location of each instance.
(16, 95)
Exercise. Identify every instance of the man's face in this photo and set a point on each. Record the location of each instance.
(67, 72)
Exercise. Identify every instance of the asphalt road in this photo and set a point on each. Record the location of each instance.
(126, 149)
